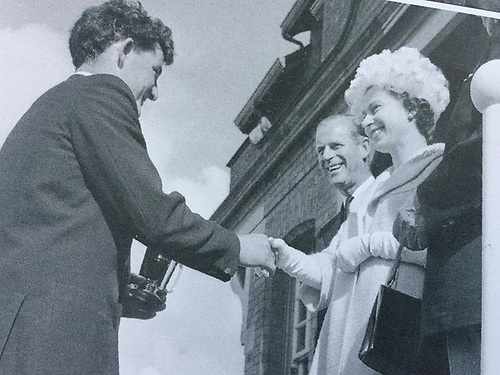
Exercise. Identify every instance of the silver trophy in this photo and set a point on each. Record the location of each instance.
(161, 274)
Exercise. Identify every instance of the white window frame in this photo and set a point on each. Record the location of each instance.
(298, 356)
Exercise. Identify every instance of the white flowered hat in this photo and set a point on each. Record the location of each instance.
(404, 70)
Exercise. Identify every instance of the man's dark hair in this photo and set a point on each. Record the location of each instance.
(116, 20)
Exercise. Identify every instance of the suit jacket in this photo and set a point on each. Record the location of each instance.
(451, 203)
(76, 187)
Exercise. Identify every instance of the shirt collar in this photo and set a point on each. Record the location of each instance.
(361, 188)
(82, 73)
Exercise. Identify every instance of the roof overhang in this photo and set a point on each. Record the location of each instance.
(298, 20)
(247, 117)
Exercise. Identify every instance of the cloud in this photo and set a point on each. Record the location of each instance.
(33, 58)
(202, 320)
(203, 316)
(149, 371)
(204, 194)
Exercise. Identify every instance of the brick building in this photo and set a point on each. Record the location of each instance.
(276, 186)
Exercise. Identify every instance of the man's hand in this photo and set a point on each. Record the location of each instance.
(256, 252)
(139, 304)
(409, 227)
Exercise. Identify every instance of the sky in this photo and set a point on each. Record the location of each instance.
(223, 50)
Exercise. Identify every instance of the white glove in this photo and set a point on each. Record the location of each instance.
(297, 264)
(381, 244)
(351, 253)
(354, 251)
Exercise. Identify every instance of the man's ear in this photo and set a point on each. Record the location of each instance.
(367, 149)
(126, 46)
(366, 146)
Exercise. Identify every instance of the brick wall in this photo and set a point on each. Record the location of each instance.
(300, 191)
(297, 193)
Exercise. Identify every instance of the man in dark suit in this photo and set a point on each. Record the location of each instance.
(448, 219)
(77, 186)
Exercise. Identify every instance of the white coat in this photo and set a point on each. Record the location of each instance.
(350, 296)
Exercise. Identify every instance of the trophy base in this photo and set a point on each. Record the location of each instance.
(149, 295)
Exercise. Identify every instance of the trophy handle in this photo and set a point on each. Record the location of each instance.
(162, 272)
(169, 275)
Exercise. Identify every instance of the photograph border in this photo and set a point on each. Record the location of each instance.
(450, 7)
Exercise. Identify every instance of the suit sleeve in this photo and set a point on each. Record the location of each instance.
(112, 154)
(452, 192)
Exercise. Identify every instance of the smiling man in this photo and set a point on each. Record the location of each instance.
(343, 153)
(343, 149)
(77, 187)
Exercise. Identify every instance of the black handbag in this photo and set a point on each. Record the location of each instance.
(391, 342)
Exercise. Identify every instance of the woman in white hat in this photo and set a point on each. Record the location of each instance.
(397, 97)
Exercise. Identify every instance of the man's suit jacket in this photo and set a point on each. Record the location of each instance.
(76, 186)
(451, 202)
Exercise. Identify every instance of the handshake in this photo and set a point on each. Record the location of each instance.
(260, 252)
(146, 293)
(277, 254)
(256, 251)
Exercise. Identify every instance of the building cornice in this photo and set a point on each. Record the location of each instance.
(298, 20)
(243, 120)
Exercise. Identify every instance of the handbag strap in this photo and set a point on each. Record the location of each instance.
(395, 266)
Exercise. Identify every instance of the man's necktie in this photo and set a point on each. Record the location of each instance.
(345, 207)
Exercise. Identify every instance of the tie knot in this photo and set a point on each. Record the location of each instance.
(345, 207)
(348, 201)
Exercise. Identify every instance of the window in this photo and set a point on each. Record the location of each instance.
(293, 336)
(303, 336)
(302, 333)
